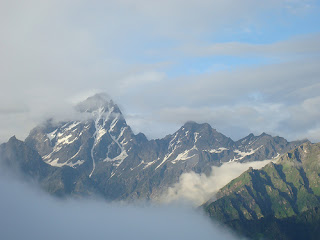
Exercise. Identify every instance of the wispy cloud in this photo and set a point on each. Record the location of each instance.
(301, 46)
(200, 188)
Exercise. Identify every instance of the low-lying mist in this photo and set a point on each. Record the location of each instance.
(199, 188)
(28, 213)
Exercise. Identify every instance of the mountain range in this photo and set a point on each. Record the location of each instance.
(98, 153)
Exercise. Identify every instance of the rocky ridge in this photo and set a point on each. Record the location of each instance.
(281, 194)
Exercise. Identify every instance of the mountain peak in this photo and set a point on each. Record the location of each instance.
(93, 103)
(13, 139)
(249, 137)
(194, 125)
(264, 134)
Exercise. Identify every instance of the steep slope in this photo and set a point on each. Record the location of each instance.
(102, 136)
(264, 146)
(17, 156)
(278, 193)
(26, 163)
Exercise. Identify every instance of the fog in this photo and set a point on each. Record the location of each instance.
(28, 213)
(199, 188)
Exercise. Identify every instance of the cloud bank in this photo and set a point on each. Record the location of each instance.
(27, 213)
(199, 188)
(164, 62)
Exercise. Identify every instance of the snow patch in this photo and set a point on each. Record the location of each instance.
(148, 164)
(52, 135)
(65, 140)
(114, 123)
(185, 155)
(278, 155)
(71, 126)
(196, 137)
(76, 153)
(100, 134)
(79, 162)
(99, 113)
(244, 154)
(122, 132)
(219, 150)
(165, 159)
(55, 163)
(123, 155)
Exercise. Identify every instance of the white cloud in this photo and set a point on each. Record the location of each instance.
(280, 99)
(27, 213)
(236, 121)
(52, 51)
(199, 188)
(138, 80)
(299, 46)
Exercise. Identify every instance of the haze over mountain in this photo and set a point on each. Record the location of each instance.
(98, 153)
(27, 213)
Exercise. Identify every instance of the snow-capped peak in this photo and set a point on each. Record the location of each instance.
(96, 102)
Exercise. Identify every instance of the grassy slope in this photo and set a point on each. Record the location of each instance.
(280, 196)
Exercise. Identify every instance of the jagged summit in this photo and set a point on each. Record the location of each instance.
(102, 135)
(191, 125)
(264, 134)
(96, 102)
(250, 135)
(13, 138)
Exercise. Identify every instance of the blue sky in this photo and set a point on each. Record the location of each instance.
(293, 20)
(242, 66)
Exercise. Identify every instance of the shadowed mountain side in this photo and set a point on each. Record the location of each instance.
(27, 164)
